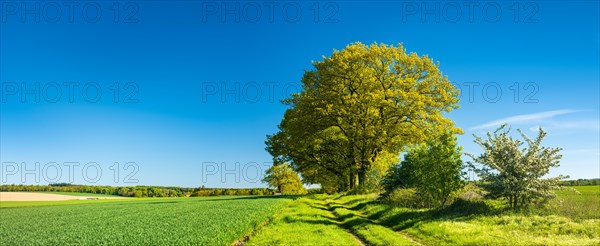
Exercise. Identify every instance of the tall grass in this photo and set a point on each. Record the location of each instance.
(571, 219)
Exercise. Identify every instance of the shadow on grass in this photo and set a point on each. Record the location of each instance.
(355, 204)
(321, 221)
(314, 218)
(353, 201)
(362, 205)
(459, 210)
(318, 206)
(405, 220)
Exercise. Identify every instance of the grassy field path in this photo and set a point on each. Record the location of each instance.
(325, 220)
(368, 230)
(305, 221)
(362, 220)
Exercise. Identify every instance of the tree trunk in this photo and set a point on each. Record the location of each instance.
(352, 180)
(362, 177)
(444, 201)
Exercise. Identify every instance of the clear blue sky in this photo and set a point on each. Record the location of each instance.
(182, 56)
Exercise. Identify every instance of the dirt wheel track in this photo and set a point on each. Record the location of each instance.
(36, 196)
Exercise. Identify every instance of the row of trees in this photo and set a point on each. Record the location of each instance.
(232, 192)
(360, 108)
(581, 182)
(137, 191)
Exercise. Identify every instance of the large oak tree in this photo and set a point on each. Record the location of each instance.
(358, 109)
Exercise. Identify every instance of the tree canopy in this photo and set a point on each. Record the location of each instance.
(357, 110)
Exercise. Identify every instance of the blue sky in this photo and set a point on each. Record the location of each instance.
(199, 82)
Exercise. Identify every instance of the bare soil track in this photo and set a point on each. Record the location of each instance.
(35, 196)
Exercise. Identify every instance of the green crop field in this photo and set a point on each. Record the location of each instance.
(578, 202)
(181, 221)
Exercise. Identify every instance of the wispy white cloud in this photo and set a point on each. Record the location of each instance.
(525, 118)
(569, 125)
(581, 151)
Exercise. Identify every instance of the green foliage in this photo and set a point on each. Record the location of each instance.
(163, 221)
(357, 110)
(394, 178)
(372, 183)
(434, 169)
(315, 191)
(469, 199)
(405, 197)
(513, 172)
(231, 192)
(471, 192)
(283, 177)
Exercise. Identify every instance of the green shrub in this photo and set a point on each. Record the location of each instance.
(405, 197)
(315, 191)
(471, 192)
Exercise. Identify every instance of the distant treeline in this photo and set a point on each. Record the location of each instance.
(581, 182)
(138, 191)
